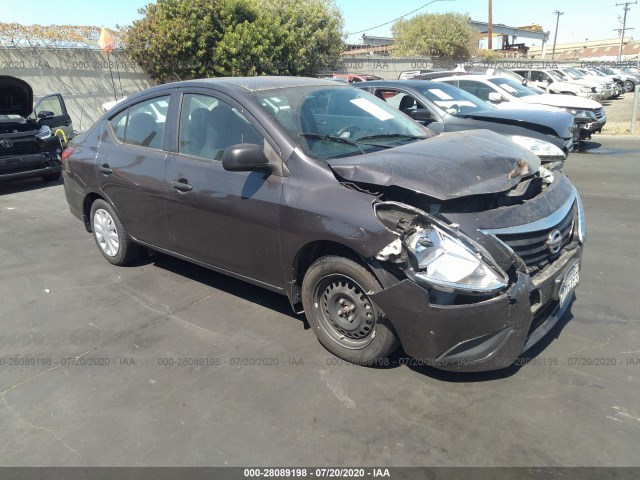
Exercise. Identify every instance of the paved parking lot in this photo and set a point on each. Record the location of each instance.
(110, 376)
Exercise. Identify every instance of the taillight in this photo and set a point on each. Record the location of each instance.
(67, 152)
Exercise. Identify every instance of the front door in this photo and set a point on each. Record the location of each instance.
(56, 117)
(225, 219)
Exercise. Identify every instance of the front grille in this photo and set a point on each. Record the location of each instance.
(20, 147)
(532, 246)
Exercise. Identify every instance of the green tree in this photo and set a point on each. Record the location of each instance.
(443, 35)
(206, 38)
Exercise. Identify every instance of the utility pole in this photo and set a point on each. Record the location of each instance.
(490, 30)
(624, 24)
(555, 37)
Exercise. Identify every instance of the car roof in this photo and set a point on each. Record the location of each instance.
(250, 84)
(468, 77)
(398, 83)
(254, 84)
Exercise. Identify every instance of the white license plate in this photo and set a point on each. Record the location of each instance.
(569, 283)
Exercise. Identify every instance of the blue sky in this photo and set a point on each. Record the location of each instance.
(582, 19)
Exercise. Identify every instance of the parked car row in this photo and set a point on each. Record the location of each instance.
(460, 246)
(570, 89)
(445, 108)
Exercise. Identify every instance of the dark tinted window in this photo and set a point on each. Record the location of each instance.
(142, 124)
(477, 89)
(119, 124)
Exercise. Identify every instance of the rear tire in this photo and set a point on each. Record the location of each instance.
(335, 296)
(629, 86)
(112, 239)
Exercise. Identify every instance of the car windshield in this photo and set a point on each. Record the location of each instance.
(332, 122)
(573, 74)
(515, 89)
(629, 71)
(454, 100)
(557, 76)
(608, 71)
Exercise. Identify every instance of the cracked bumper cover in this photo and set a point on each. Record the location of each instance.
(488, 335)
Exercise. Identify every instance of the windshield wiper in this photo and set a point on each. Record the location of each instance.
(392, 135)
(332, 138)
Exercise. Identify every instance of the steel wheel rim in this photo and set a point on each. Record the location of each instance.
(345, 311)
(106, 232)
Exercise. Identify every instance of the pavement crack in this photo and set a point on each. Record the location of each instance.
(337, 390)
(36, 427)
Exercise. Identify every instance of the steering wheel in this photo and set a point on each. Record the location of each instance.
(350, 129)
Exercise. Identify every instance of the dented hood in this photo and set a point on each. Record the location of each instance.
(16, 97)
(448, 166)
(550, 122)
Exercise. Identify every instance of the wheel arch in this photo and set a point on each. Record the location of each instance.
(86, 208)
(306, 256)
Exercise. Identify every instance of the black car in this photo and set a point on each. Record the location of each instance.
(31, 139)
(459, 246)
(445, 108)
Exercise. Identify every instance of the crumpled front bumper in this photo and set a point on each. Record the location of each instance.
(487, 335)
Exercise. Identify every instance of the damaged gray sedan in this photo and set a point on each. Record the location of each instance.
(460, 247)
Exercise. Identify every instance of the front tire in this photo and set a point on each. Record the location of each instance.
(335, 296)
(111, 238)
(629, 86)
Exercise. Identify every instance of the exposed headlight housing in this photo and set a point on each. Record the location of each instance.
(445, 262)
(580, 113)
(539, 147)
(587, 89)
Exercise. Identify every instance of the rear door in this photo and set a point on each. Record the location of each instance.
(131, 162)
(56, 117)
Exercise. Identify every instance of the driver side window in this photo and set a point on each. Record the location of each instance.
(208, 126)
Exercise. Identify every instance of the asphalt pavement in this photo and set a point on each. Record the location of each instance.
(167, 364)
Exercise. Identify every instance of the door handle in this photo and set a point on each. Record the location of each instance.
(105, 169)
(182, 186)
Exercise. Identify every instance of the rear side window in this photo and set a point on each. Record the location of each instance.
(142, 124)
(118, 124)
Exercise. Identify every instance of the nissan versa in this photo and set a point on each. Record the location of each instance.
(460, 246)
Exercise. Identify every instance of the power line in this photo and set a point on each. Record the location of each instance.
(401, 16)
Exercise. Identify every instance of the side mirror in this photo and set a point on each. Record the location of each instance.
(549, 80)
(422, 115)
(245, 157)
(495, 97)
(45, 114)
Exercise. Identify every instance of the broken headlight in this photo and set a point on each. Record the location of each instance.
(446, 262)
(539, 147)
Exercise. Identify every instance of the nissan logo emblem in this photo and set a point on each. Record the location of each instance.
(554, 241)
(6, 143)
